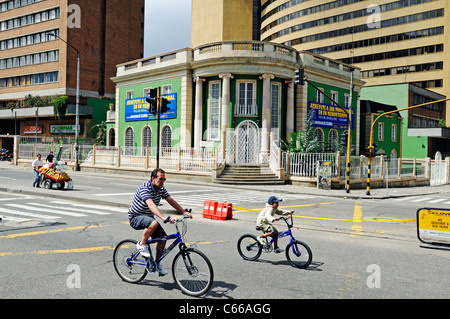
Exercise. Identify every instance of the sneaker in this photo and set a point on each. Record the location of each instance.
(143, 250)
(278, 250)
(261, 240)
(162, 271)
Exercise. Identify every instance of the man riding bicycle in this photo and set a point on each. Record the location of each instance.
(143, 209)
(266, 218)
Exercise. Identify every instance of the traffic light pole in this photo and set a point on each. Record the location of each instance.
(158, 123)
(371, 147)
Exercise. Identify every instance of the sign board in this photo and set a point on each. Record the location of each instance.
(137, 109)
(31, 129)
(330, 116)
(433, 225)
(63, 128)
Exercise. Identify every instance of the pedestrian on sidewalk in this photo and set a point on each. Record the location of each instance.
(37, 164)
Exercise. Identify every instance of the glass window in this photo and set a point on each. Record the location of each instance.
(214, 110)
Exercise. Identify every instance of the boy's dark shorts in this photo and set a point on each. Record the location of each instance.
(143, 221)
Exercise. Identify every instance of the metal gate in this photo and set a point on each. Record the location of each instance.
(243, 144)
(439, 171)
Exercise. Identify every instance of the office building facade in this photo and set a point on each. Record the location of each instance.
(39, 41)
(403, 41)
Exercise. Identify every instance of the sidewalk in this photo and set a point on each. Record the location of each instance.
(12, 186)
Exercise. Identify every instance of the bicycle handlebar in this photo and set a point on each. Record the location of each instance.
(177, 220)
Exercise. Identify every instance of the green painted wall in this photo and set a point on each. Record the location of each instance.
(138, 126)
(398, 95)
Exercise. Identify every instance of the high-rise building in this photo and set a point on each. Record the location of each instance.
(39, 40)
(400, 41)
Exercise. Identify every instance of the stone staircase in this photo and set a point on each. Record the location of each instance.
(248, 175)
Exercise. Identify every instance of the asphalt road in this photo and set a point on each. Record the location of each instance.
(361, 248)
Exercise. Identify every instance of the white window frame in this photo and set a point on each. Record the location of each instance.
(275, 106)
(246, 109)
(214, 112)
(381, 132)
(319, 96)
(394, 133)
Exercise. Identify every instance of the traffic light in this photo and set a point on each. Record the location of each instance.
(164, 102)
(344, 139)
(374, 150)
(152, 100)
(299, 76)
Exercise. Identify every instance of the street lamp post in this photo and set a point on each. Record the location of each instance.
(77, 103)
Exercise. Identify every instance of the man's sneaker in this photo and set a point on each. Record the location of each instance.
(161, 270)
(143, 250)
(278, 250)
(261, 240)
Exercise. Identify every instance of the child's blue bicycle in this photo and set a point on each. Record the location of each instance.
(297, 252)
(191, 269)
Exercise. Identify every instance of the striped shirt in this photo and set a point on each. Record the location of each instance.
(144, 192)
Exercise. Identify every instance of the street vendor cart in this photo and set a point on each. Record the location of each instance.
(51, 175)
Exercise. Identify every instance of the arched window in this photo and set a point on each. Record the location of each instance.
(166, 137)
(319, 134)
(112, 137)
(129, 141)
(333, 140)
(147, 137)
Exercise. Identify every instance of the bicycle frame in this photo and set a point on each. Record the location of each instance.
(178, 240)
(286, 233)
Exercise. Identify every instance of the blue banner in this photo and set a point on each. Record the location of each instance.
(330, 116)
(138, 109)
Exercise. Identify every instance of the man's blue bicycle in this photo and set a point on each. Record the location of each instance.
(297, 252)
(191, 269)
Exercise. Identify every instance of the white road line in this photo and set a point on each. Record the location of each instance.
(15, 219)
(44, 209)
(91, 187)
(421, 199)
(8, 178)
(107, 208)
(63, 210)
(21, 213)
(8, 199)
(437, 200)
(113, 194)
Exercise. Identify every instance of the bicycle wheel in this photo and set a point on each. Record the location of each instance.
(298, 254)
(128, 263)
(248, 247)
(192, 272)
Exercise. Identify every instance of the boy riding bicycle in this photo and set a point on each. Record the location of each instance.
(266, 218)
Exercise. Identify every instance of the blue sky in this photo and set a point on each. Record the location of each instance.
(167, 26)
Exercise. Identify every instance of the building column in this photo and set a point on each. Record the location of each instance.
(266, 117)
(225, 101)
(290, 110)
(198, 122)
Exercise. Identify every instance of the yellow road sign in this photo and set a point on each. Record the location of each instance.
(433, 224)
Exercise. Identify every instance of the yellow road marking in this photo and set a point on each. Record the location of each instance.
(50, 231)
(408, 220)
(357, 219)
(88, 249)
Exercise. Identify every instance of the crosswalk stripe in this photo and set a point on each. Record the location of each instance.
(437, 200)
(15, 219)
(109, 208)
(22, 213)
(42, 208)
(63, 210)
(421, 200)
